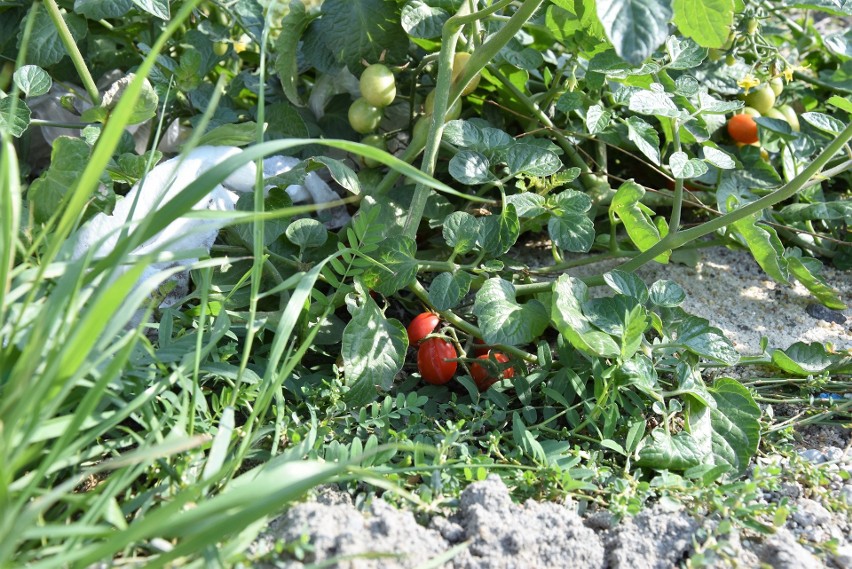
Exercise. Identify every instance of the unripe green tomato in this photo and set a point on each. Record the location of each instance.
(777, 85)
(730, 60)
(751, 26)
(459, 63)
(790, 116)
(364, 117)
(220, 48)
(453, 112)
(761, 99)
(751, 111)
(376, 141)
(378, 85)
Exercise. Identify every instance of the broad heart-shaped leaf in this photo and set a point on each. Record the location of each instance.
(396, 254)
(764, 244)
(461, 231)
(527, 204)
(569, 226)
(471, 168)
(569, 296)
(730, 431)
(645, 137)
(638, 372)
(608, 313)
(45, 47)
(363, 30)
(102, 9)
(685, 167)
(641, 230)
(420, 20)
(32, 80)
(447, 289)
(157, 8)
(14, 124)
(597, 119)
(635, 27)
(823, 122)
(839, 102)
(663, 451)
(306, 233)
(628, 284)
(696, 335)
(718, 158)
(531, 160)
(684, 54)
(808, 276)
(667, 293)
(707, 22)
(802, 358)
(68, 159)
(709, 104)
(293, 26)
(497, 233)
(502, 320)
(373, 351)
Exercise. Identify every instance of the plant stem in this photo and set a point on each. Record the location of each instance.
(73, 51)
(677, 201)
(673, 241)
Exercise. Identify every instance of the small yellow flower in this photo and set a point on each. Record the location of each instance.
(790, 69)
(748, 82)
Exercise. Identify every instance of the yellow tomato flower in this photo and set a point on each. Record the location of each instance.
(748, 82)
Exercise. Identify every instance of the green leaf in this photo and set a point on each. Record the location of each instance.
(399, 269)
(639, 372)
(497, 233)
(696, 335)
(527, 204)
(240, 134)
(841, 103)
(645, 137)
(570, 101)
(653, 103)
(685, 167)
(569, 296)
(285, 121)
(802, 358)
(293, 26)
(570, 227)
(663, 451)
(373, 351)
(448, 289)
(709, 104)
(68, 159)
(597, 119)
(102, 9)
(628, 284)
(667, 294)
(420, 20)
(32, 80)
(531, 160)
(641, 230)
(840, 210)
(461, 231)
(471, 168)
(608, 313)
(502, 319)
(684, 54)
(15, 124)
(342, 174)
(732, 427)
(813, 282)
(157, 8)
(823, 122)
(368, 30)
(708, 22)
(306, 233)
(45, 47)
(129, 167)
(764, 244)
(635, 27)
(718, 158)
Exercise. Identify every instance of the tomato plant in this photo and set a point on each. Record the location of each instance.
(421, 326)
(435, 361)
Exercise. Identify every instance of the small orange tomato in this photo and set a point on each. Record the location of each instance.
(742, 128)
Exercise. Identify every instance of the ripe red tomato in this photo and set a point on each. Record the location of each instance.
(742, 128)
(480, 374)
(480, 347)
(432, 361)
(422, 325)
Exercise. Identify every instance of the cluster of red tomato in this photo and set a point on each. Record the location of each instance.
(437, 359)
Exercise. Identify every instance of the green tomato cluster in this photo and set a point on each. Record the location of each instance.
(378, 90)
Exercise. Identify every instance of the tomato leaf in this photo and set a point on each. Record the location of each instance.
(15, 124)
(635, 27)
(448, 289)
(45, 47)
(373, 351)
(707, 22)
(356, 30)
(461, 231)
(640, 228)
(569, 296)
(293, 26)
(696, 335)
(502, 319)
(802, 358)
(398, 266)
